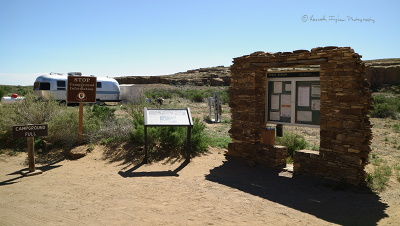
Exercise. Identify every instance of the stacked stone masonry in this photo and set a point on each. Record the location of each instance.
(345, 129)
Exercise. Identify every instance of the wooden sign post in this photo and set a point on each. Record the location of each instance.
(30, 132)
(81, 89)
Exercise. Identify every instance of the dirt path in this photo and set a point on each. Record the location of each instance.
(207, 191)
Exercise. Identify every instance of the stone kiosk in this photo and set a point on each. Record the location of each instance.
(339, 103)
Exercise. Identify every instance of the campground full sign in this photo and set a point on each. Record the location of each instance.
(30, 130)
(81, 89)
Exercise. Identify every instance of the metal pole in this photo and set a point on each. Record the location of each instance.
(145, 145)
(31, 156)
(188, 143)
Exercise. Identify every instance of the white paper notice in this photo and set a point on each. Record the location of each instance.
(315, 90)
(315, 105)
(285, 100)
(304, 116)
(286, 105)
(288, 87)
(275, 102)
(303, 96)
(277, 87)
(274, 116)
(167, 117)
(286, 111)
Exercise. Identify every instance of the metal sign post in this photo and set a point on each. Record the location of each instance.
(30, 131)
(81, 89)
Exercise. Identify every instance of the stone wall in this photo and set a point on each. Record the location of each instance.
(345, 129)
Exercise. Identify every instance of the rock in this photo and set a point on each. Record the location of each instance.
(78, 152)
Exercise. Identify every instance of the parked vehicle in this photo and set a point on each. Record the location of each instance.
(55, 86)
(14, 98)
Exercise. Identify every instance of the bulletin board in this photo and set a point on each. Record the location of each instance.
(308, 95)
(293, 98)
(279, 103)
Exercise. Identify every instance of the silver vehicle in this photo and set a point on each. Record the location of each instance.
(54, 86)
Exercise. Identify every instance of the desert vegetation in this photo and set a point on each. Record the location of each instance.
(124, 123)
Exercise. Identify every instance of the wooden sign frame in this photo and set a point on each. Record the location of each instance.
(30, 131)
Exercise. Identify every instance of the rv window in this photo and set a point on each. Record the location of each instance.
(36, 86)
(98, 84)
(44, 86)
(60, 85)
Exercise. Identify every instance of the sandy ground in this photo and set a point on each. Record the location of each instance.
(210, 190)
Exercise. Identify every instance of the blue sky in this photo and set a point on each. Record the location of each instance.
(159, 37)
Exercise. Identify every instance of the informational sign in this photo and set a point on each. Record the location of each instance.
(168, 117)
(81, 89)
(308, 102)
(171, 117)
(30, 131)
(294, 74)
(293, 98)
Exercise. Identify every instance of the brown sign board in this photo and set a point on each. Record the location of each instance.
(81, 89)
(30, 130)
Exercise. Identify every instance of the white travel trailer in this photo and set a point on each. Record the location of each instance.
(55, 86)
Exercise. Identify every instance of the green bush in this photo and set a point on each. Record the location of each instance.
(159, 93)
(3, 91)
(63, 129)
(101, 124)
(292, 141)
(378, 179)
(169, 137)
(194, 95)
(385, 106)
(27, 111)
(199, 138)
(396, 128)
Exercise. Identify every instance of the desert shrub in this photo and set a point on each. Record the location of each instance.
(137, 133)
(396, 128)
(159, 93)
(378, 179)
(374, 159)
(292, 141)
(32, 111)
(194, 95)
(27, 111)
(101, 125)
(385, 107)
(63, 129)
(169, 137)
(3, 91)
(20, 90)
(220, 140)
(199, 138)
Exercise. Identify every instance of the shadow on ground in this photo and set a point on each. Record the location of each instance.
(130, 154)
(131, 172)
(306, 194)
(18, 175)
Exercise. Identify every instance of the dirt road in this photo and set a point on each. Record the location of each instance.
(207, 191)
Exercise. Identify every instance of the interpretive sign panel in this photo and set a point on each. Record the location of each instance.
(167, 117)
(30, 130)
(81, 89)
